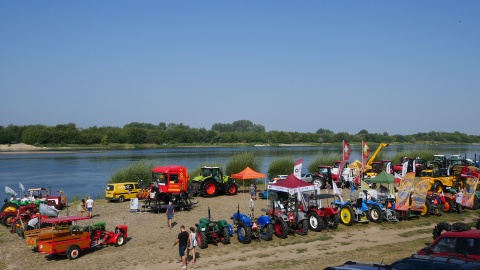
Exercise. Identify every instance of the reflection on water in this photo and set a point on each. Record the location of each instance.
(86, 172)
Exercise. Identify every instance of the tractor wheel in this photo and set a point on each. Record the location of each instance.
(7, 219)
(302, 227)
(443, 226)
(9, 207)
(225, 236)
(266, 233)
(281, 228)
(426, 209)
(17, 227)
(73, 252)
(202, 239)
(315, 222)
(121, 199)
(437, 187)
(120, 241)
(232, 189)
(460, 226)
(210, 188)
(334, 221)
(319, 182)
(439, 209)
(244, 233)
(346, 215)
(476, 203)
(448, 205)
(375, 214)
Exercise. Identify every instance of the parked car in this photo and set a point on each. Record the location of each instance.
(263, 194)
(122, 191)
(436, 263)
(455, 244)
(278, 177)
(307, 177)
(354, 265)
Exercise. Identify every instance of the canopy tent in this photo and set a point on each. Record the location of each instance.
(382, 177)
(292, 184)
(248, 173)
(357, 164)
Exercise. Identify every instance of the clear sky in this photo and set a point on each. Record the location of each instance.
(400, 67)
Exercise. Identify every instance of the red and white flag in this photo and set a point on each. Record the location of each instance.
(346, 150)
(297, 169)
(365, 154)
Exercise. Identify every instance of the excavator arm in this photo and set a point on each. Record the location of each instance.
(368, 165)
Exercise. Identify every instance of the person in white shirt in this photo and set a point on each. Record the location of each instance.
(25, 199)
(89, 206)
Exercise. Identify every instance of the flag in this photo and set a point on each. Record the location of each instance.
(365, 150)
(297, 169)
(10, 191)
(346, 150)
(22, 188)
(336, 191)
(404, 168)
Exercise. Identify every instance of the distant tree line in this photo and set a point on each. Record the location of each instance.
(242, 131)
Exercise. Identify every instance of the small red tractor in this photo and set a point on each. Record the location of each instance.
(41, 194)
(169, 184)
(72, 242)
(320, 218)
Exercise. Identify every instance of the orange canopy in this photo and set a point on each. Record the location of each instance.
(248, 173)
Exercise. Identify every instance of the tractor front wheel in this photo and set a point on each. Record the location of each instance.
(73, 252)
(225, 236)
(346, 215)
(202, 239)
(244, 233)
(281, 228)
(120, 241)
(7, 218)
(266, 233)
(210, 188)
(426, 209)
(315, 222)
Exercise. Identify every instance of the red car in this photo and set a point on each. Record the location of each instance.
(455, 244)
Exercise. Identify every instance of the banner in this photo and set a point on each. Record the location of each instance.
(420, 195)
(10, 191)
(403, 197)
(365, 154)
(469, 192)
(337, 191)
(22, 188)
(297, 169)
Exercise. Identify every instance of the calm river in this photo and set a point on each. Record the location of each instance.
(87, 172)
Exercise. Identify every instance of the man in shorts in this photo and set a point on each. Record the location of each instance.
(170, 214)
(182, 241)
(89, 204)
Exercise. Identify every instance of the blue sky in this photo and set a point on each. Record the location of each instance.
(400, 67)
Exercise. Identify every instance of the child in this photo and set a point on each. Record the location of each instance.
(192, 243)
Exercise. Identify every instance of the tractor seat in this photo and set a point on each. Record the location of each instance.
(212, 224)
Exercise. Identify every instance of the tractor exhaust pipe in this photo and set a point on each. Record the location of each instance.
(209, 217)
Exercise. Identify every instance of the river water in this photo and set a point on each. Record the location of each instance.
(81, 173)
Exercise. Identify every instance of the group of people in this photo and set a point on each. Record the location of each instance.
(86, 206)
(187, 242)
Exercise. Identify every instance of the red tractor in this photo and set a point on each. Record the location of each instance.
(43, 194)
(169, 184)
(320, 218)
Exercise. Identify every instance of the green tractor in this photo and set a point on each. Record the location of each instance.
(211, 182)
(209, 231)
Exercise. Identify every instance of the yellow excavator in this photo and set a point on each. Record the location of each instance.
(369, 172)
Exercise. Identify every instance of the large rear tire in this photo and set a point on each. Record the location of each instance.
(281, 228)
(7, 218)
(226, 236)
(346, 215)
(319, 182)
(202, 239)
(244, 233)
(232, 189)
(266, 233)
(302, 227)
(315, 223)
(448, 205)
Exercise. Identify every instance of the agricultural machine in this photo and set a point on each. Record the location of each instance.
(434, 205)
(209, 231)
(43, 194)
(320, 218)
(211, 182)
(350, 213)
(288, 218)
(260, 228)
(169, 184)
(323, 176)
(72, 242)
(369, 170)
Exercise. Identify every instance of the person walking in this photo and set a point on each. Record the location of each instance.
(170, 213)
(252, 191)
(82, 207)
(192, 243)
(89, 204)
(252, 204)
(182, 241)
(458, 201)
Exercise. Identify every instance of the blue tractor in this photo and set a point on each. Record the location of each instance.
(358, 212)
(249, 227)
